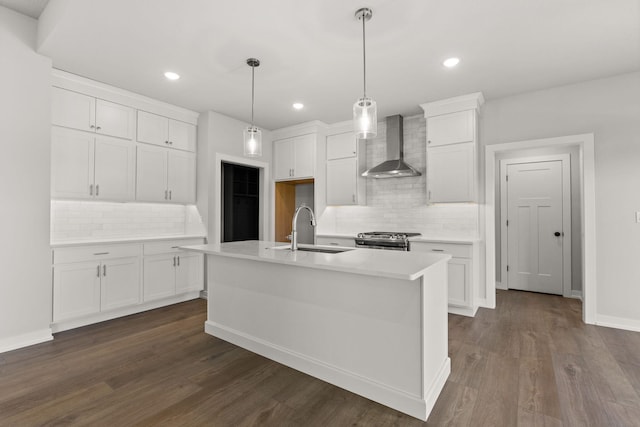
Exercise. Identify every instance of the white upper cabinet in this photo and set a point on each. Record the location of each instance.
(86, 166)
(294, 158)
(451, 172)
(83, 112)
(453, 128)
(452, 157)
(159, 130)
(165, 175)
(345, 164)
(341, 145)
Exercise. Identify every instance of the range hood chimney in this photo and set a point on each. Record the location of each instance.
(395, 168)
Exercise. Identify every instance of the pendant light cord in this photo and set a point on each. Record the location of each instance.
(364, 55)
(253, 69)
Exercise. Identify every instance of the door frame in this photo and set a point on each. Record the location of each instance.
(585, 142)
(264, 232)
(565, 159)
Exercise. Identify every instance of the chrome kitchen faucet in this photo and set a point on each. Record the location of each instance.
(294, 232)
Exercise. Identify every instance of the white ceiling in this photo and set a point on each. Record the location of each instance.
(311, 51)
(32, 8)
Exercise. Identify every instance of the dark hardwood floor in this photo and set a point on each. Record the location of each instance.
(530, 362)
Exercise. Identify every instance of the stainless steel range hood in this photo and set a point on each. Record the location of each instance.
(395, 168)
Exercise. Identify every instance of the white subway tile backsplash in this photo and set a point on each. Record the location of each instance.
(77, 220)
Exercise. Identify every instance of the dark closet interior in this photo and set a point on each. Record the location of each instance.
(240, 202)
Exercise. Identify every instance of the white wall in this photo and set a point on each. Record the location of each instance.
(609, 108)
(220, 134)
(25, 257)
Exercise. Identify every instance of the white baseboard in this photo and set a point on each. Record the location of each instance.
(500, 286)
(618, 322)
(463, 311)
(576, 294)
(378, 392)
(25, 340)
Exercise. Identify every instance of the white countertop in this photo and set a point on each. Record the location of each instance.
(85, 242)
(391, 264)
(444, 239)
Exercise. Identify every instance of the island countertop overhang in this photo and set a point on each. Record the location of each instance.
(371, 262)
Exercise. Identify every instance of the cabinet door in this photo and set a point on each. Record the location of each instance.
(72, 109)
(460, 282)
(342, 181)
(182, 135)
(76, 290)
(181, 176)
(341, 145)
(189, 273)
(72, 167)
(347, 242)
(120, 286)
(114, 169)
(153, 129)
(304, 156)
(159, 276)
(451, 173)
(283, 159)
(114, 119)
(151, 174)
(451, 128)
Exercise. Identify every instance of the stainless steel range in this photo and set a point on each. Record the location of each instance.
(385, 240)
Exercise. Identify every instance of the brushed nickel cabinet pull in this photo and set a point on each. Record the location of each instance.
(166, 194)
(91, 189)
(98, 128)
(169, 194)
(98, 271)
(174, 261)
(101, 253)
(437, 250)
(97, 189)
(104, 270)
(178, 261)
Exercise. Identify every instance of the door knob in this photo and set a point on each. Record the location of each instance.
(557, 234)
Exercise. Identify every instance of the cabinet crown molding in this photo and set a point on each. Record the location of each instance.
(472, 101)
(315, 126)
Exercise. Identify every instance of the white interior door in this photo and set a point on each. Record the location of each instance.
(535, 234)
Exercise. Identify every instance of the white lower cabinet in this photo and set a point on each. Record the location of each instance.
(96, 283)
(93, 286)
(169, 271)
(76, 290)
(462, 273)
(120, 283)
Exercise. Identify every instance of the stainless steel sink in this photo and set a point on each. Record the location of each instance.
(321, 249)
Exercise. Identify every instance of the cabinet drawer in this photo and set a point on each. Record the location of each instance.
(169, 246)
(456, 250)
(94, 253)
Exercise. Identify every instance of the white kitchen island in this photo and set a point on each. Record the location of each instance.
(370, 321)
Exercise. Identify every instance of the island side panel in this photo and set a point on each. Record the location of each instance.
(437, 364)
(363, 327)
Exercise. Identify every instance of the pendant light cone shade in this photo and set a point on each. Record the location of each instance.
(252, 135)
(365, 111)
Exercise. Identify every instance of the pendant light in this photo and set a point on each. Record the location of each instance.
(252, 135)
(365, 116)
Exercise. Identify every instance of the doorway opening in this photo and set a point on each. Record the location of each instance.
(534, 239)
(240, 202)
(288, 196)
(587, 232)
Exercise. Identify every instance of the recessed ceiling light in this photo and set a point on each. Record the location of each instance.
(451, 62)
(170, 75)
(298, 106)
